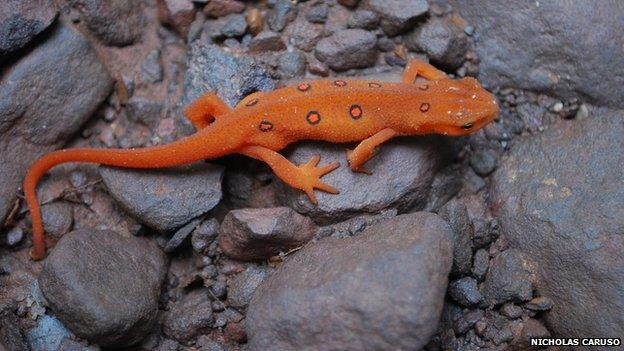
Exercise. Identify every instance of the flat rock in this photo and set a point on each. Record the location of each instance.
(165, 199)
(546, 46)
(259, 233)
(103, 286)
(21, 21)
(236, 77)
(381, 290)
(45, 97)
(347, 49)
(189, 317)
(398, 15)
(402, 173)
(114, 22)
(559, 198)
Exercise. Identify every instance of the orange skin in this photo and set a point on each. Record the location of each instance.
(338, 111)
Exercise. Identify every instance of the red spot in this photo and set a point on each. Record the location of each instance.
(265, 126)
(355, 111)
(252, 102)
(303, 87)
(340, 83)
(424, 107)
(313, 117)
(374, 85)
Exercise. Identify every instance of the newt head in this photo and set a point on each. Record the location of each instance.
(457, 107)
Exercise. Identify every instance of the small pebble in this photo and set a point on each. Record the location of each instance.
(539, 304)
(582, 112)
(318, 13)
(151, 69)
(465, 291)
(235, 26)
(14, 236)
(511, 311)
(480, 264)
(219, 288)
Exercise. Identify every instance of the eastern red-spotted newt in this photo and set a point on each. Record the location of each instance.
(335, 110)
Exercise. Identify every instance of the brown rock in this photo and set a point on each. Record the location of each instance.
(221, 8)
(178, 14)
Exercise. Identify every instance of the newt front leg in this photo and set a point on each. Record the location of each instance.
(306, 177)
(366, 149)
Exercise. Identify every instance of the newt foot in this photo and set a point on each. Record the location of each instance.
(309, 177)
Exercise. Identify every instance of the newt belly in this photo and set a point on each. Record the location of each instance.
(338, 110)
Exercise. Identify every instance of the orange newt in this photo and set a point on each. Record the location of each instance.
(261, 124)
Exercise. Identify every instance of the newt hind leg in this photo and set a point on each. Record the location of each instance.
(306, 177)
(366, 149)
(204, 111)
(417, 68)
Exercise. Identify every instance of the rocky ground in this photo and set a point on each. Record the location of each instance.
(474, 243)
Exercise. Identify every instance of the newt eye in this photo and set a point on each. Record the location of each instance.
(467, 126)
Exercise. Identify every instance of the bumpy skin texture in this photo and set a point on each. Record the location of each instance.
(339, 111)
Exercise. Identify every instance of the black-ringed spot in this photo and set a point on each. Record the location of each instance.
(340, 83)
(252, 102)
(355, 111)
(423, 86)
(467, 126)
(374, 85)
(265, 126)
(304, 87)
(313, 117)
(424, 107)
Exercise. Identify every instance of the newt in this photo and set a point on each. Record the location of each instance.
(426, 101)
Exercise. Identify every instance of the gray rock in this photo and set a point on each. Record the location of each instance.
(243, 286)
(151, 69)
(467, 321)
(203, 235)
(14, 236)
(291, 64)
(509, 279)
(189, 317)
(550, 47)
(11, 334)
(465, 292)
(511, 311)
(381, 290)
(236, 77)
(363, 19)
(234, 26)
(303, 35)
(115, 22)
(398, 15)
(259, 233)
(480, 264)
(388, 186)
(165, 199)
(181, 236)
(318, 13)
(48, 334)
(483, 161)
(44, 98)
(146, 111)
(284, 12)
(559, 198)
(57, 218)
(442, 40)
(347, 49)
(23, 20)
(109, 293)
(455, 214)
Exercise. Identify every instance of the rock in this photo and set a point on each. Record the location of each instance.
(178, 14)
(146, 111)
(347, 49)
(284, 12)
(510, 278)
(318, 13)
(257, 234)
(363, 19)
(115, 22)
(45, 97)
(203, 235)
(206, 344)
(442, 40)
(17, 281)
(189, 317)
(234, 26)
(511, 311)
(531, 329)
(222, 8)
(267, 41)
(57, 218)
(483, 161)
(467, 321)
(181, 236)
(388, 186)
(395, 272)
(13, 237)
(104, 286)
(48, 334)
(11, 334)
(165, 199)
(21, 21)
(151, 69)
(455, 214)
(398, 16)
(558, 197)
(539, 304)
(236, 78)
(547, 47)
(480, 264)
(465, 292)
(243, 286)
(303, 35)
(497, 328)
(291, 64)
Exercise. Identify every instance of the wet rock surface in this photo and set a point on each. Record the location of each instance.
(45, 97)
(570, 217)
(109, 292)
(256, 234)
(341, 282)
(165, 199)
